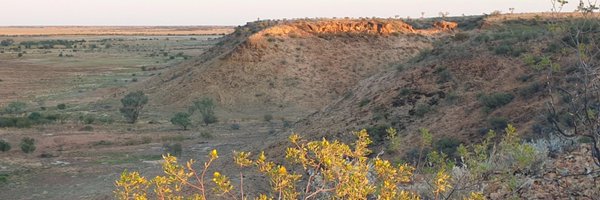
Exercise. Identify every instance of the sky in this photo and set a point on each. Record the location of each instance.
(238, 12)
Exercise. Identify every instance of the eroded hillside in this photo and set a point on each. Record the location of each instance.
(292, 67)
(467, 84)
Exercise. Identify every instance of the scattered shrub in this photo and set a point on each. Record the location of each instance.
(447, 145)
(581, 140)
(444, 76)
(106, 119)
(423, 54)
(495, 100)
(61, 106)
(235, 126)
(287, 124)
(173, 149)
(452, 98)
(498, 123)
(18, 122)
(461, 36)
(508, 50)
(378, 133)
(181, 119)
(133, 103)
(268, 117)
(530, 90)
(206, 107)
(206, 135)
(27, 145)
(87, 119)
(4, 146)
(422, 109)
(406, 91)
(102, 143)
(87, 128)
(146, 140)
(15, 107)
(4, 178)
(35, 117)
(364, 102)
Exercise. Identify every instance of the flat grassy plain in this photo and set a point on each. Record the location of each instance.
(112, 30)
(81, 154)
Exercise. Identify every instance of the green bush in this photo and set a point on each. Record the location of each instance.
(4, 178)
(35, 117)
(462, 36)
(181, 119)
(206, 107)
(105, 119)
(4, 146)
(447, 145)
(18, 122)
(498, 123)
(235, 126)
(444, 75)
(495, 100)
(364, 102)
(27, 145)
(61, 106)
(530, 90)
(378, 133)
(422, 109)
(15, 107)
(206, 135)
(87, 119)
(287, 124)
(509, 50)
(133, 103)
(173, 149)
(268, 117)
(87, 128)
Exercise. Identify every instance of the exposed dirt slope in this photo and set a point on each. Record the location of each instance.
(292, 67)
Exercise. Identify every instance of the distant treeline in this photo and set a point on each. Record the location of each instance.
(49, 44)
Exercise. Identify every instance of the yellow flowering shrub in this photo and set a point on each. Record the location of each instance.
(331, 170)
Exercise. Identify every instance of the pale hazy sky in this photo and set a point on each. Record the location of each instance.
(237, 12)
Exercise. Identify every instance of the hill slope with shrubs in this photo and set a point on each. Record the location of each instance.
(293, 67)
(468, 83)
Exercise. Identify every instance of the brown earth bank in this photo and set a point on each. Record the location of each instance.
(290, 67)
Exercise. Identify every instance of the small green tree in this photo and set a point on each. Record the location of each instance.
(27, 145)
(4, 146)
(181, 119)
(206, 107)
(133, 104)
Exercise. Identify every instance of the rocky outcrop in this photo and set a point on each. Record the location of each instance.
(445, 25)
(381, 27)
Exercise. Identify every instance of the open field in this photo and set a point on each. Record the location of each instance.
(79, 156)
(112, 30)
